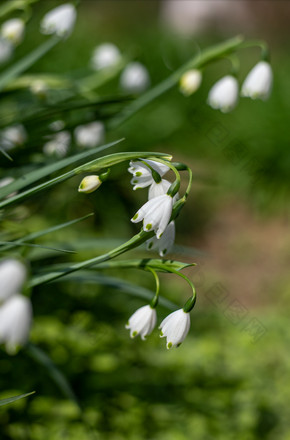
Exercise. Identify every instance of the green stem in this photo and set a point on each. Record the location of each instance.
(191, 302)
(154, 301)
(197, 62)
(135, 241)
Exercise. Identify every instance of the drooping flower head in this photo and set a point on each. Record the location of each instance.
(12, 277)
(175, 328)
(258, 83)
(142, 322)
(224, 94)
(165, 242)
(155, 214)
(13, 136)
(135, 78)
(59, 21)
(13, 30)
(143, 174)
(104, 56)
(15, 322)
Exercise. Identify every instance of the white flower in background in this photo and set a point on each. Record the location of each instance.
(143, 175)
(258, 83)
(175, 328)
(59, 21)
(155, 214)
(58, 145)
(13, 30)
(224, 94)
(90, 135)
(89, 184)
(104, 56)
(13, 136)
(6, 50)
(39, 88)
(190, 82)
(15, 322)
(142, 322)
(12, 277)
(165, 242)
(135, 78)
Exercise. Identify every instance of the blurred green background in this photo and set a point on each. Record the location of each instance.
(230, 378)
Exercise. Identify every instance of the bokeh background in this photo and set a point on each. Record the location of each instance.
(230, 378)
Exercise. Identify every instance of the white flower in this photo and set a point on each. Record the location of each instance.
(59, 21)
(13, 136)
(58, 145)
(57, 125)
(15, 322)
(39, 88)
(224, 94)
(6, 50)
(175, 328)
(135, 78)
(142, 322)
(89, 184)
(143, 175)
(90, 135)
(104, 56)
(12, 277)
(258, 83)
(157, 189)
(155, 214)
(13, 30)
(165, 242)
(190, 82)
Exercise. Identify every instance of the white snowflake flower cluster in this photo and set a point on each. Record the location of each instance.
(174, 327)
(224, 95)
(15, 309)
(156, 213)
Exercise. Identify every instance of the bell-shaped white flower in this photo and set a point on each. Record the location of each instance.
(104, 56)
(224, 94)
(15, 322)
(12, 277)
(58, 145)
(135, 78)
(13, 30)
(258, 83)
(155, 214)
(59, 21)
(142, 322)
(190, 82)
(13, 136)
(6, 50)
(143, 175)
(165, 242)
(157, 189)
(90, 135)
(175, 328)
(89, 184)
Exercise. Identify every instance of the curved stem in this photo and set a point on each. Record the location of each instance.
(191, 302)
(154, 301)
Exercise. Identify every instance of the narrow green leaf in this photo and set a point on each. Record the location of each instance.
(13, 399)
(38, 234)
(6, 154)
(45, 171)
(26, 62)
(93, 166)
(56, 375)
(15, 244)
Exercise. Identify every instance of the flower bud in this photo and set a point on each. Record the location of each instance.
(190, 82)
(89, 184)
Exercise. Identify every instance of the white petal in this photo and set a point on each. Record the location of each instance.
(224, 94)
(12, 277)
